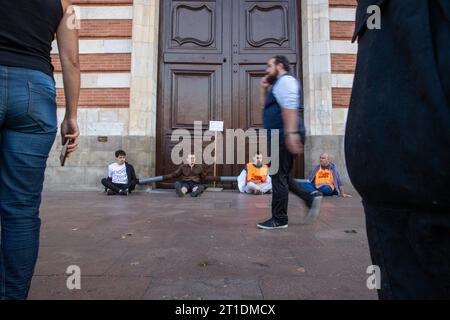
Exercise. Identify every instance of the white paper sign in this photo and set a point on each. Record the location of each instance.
(216, 126)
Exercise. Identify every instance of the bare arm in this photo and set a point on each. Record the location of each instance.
(287, 95)
(67, 39)
(290, 120)
(343, 194)
(290, 123)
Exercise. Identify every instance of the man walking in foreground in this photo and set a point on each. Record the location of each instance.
(282, 112)
(399, 127)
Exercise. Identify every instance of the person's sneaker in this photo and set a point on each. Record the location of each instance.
(317, 194)
(180, 193)
(111, 192)
(195, 193)
(314, 209)
(272, 224)
(124, 192)
(257, 192)
(311, 198)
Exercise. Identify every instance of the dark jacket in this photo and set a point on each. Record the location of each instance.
(195, 174)
(397, 142)
(131, 174)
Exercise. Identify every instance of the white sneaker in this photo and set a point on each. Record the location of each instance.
(314, 211)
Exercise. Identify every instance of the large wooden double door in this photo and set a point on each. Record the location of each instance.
(212, 57)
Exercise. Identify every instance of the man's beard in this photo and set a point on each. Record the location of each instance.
(271, 78)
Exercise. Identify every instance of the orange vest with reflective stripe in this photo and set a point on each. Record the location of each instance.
(324, 177)
(257, 175)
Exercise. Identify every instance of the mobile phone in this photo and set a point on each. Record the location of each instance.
(63, 155)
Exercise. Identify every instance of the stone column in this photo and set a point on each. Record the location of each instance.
(317, 67)
(144, 83)
(317, 83)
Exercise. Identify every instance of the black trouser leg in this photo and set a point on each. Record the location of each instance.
(412, 250)
(113, 186)
(280, 185)
(131, 186)
(298, 190)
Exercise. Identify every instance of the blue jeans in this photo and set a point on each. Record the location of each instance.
(28, 126)
(325, 190)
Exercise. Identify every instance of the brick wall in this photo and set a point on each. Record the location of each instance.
(343, 59)
(105, 57)
(104, 106)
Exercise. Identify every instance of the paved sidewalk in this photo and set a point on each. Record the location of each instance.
(157, 246)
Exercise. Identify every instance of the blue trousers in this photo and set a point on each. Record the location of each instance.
(325, 190)
(28, 126)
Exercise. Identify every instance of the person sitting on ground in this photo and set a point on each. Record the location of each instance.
(121, 176)
(255, 178)
(325, 178)
(192, 175)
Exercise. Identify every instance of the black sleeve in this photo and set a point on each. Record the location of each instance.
(132, 176)
(174, 174)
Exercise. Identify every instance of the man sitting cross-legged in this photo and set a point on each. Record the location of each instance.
(191, 175)
(325, 178)
(255, 178)
(121, 176)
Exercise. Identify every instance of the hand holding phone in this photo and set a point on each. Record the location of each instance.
(69, 134)
(63, 155)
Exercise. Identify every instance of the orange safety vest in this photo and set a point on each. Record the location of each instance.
(257, 175)
(324, 177)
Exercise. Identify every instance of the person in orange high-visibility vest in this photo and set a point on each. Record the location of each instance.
(325, 179)
(255, 178)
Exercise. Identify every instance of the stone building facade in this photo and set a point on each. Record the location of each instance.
(120, 56)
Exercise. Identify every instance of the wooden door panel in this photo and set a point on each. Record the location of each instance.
(250, 109)
(196, 95)
(194, 26)
(267, 27)
(194, 51)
